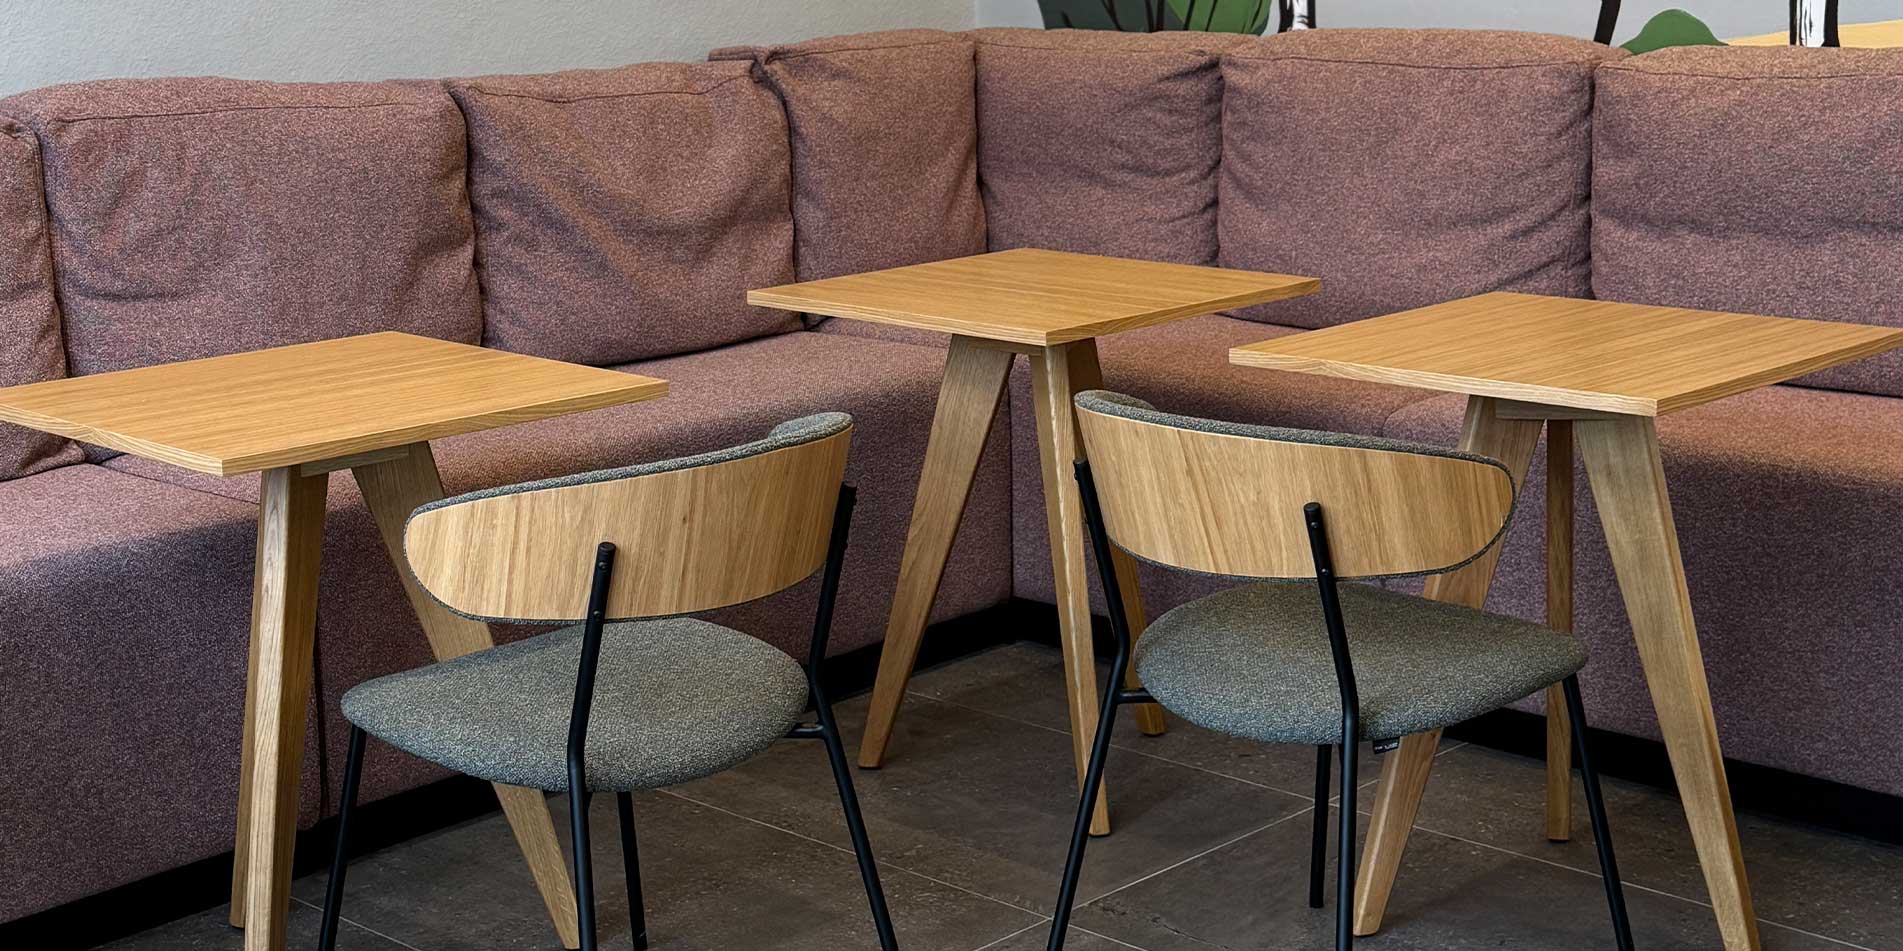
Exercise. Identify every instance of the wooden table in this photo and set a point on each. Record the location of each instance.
(1867, 35)
(368, 404)
(1050, 306)
(1599, 373)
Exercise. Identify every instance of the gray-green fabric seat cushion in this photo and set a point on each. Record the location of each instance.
(1253, 661)
(675, 700)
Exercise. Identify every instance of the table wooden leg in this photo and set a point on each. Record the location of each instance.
(1628, 483)
(968, 398)
(277, 700)
(393, 489)
(1404, 771)
(1559, 617)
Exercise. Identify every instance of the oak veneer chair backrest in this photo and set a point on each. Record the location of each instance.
(691, 534)
(1228, 499)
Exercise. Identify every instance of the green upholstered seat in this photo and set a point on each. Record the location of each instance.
(1253, 661)
(675, 700)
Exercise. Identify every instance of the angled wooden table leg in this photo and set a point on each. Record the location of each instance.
(277, 698)
(393, 488)
(975, 375)
(1628, 483)
(1559, 617)
(1404, 771)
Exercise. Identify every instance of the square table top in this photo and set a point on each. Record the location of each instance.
(1599, 356)
(313, 402)
(1033, 297)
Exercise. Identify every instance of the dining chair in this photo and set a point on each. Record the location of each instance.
(632, 693)
(1325, 663)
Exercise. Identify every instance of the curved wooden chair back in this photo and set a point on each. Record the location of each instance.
(691, 534)
(1227, 499)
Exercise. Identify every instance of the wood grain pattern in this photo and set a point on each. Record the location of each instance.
(312, 402)
(1628, 484)
(1595, 355)
(1559, 617)
(1232, 505)
(968, 398)
(1883, 33)
(689, 540)
(1035, 297)
(283, 638)
(1404, 772)
(393, 488)
(1056, 376)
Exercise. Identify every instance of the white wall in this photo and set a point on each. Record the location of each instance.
(50, 41)
(1573, 17)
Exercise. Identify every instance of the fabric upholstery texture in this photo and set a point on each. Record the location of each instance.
(1786, 501)
(1254, 661)
(30, 346)
(884, 148)
(1183, 365)
(125, 607)
(1760, 180)
(1407, 167)
(623, 213)
(675, 700)
(1128, 125)
(197, 217)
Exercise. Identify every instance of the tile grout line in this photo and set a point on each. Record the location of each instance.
(359, 925)
(838, 848)
(1027, 929)
(1648, 889)
(1106, 937)
(1182, 862)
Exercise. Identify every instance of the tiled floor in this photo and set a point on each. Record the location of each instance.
(970, 817)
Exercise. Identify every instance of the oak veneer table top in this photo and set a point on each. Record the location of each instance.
(1867, 35)
(313, 402)
(1033, 297)
(1596, 356)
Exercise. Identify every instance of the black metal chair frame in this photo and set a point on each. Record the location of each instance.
(1116, 695)
(825, 729)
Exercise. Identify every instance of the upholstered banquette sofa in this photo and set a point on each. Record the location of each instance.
(616, 218)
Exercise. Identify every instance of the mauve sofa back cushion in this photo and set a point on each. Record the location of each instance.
(622, 214)
(1761, 180)
(196, 217)
(1408, 167)
(1101, 142)
(30, 348)
(885, 167)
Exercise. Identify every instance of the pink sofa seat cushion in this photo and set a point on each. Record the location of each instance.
(1101, 142)
(125, 631)
(716, 398)
(1408, 167)
(1184, 367)
(1786, 501)
(196, 217)
(884, 148)
(624, 213)
(30, 345)
(1755, 180)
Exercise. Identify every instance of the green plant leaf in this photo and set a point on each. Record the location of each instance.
(1672, 28)
(1224, 16)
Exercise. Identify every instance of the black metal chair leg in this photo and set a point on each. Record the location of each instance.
(1087, 803)
(584, 865)
(631, 864)
(1596, 807)
(1318, 852)
(1345, 869)
(334, 894)
(855, 821)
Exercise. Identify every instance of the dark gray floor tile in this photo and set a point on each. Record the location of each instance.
(1026, 682)
(988, 804)
(1451, 896)
(1847, 888)
(1037, 939)
(212, 931)
(713, 881)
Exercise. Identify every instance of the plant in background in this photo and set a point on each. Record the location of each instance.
(1151, 16)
